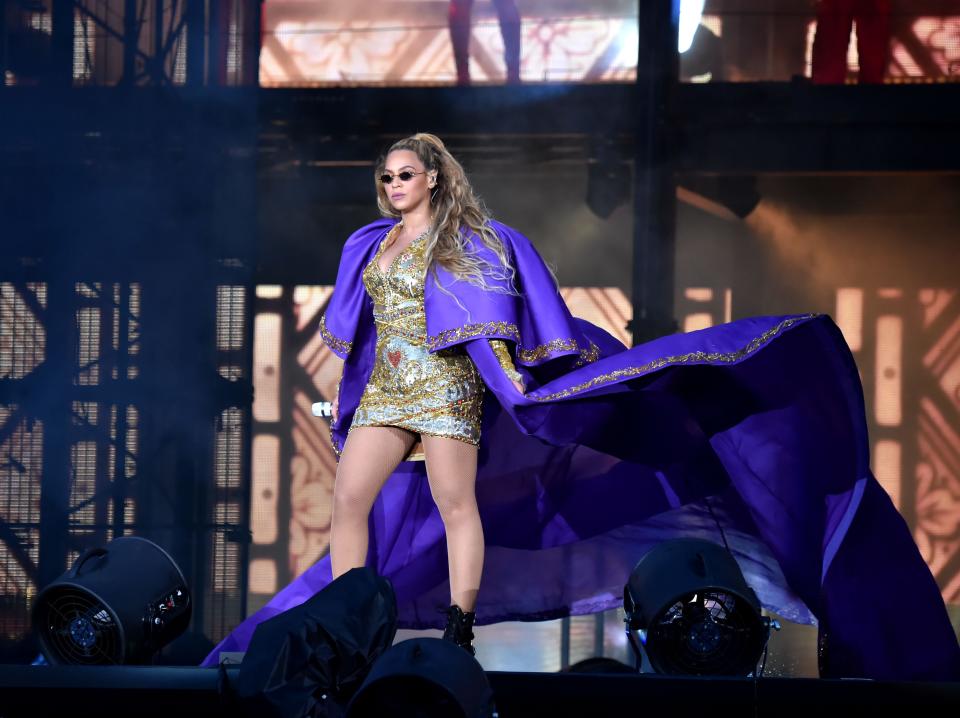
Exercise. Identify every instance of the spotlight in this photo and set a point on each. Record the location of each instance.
(117, 604)
(704, 59)
(736, 194)
(427, 678)
(693, 611)
(609, 178)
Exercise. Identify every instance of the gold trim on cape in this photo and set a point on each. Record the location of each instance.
(692, 357)
(340, 346)
(501, 329)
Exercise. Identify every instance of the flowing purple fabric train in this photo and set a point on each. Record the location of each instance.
(756, 426)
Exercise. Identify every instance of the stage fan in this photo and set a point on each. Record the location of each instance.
(117, 604)
(694, 613)
(80, 629)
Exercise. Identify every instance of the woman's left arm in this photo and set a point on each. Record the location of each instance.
(502, 352)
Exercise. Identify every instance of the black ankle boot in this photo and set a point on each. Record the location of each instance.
(459, 627)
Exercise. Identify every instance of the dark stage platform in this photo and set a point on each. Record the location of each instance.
(169, 691)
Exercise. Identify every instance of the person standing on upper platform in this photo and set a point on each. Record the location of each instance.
(835, 19)
(459, 18)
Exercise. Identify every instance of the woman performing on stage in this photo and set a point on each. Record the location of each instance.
(413, 394)
(554, 457)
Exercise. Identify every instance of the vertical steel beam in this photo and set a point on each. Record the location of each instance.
(565, 627)
(4, 25)
(157, 71)
(218, 34)
(61, 67)
(251, 41)
(56, 411)
(654, 205)
(196, 33)
(598, 634)
(131, 38)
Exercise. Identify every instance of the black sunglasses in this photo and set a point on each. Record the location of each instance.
(404, 176)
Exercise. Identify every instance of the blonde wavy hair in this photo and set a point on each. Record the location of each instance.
(456, 208)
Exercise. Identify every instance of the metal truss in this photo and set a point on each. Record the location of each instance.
(159, 66)
(92, 448)
(161, 43)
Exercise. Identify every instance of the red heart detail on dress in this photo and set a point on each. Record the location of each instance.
(394, 358)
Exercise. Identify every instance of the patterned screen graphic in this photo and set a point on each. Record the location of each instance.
(417, 42)
(400, 43)
(304, 43)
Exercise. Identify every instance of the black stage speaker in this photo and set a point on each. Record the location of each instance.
(117, 604)
(310, 659)
(426, 678)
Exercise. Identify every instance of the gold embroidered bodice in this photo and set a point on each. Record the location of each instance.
(438, 394)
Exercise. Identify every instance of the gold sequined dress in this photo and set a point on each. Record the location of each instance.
(438, 394)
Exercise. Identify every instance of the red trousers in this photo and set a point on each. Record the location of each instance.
(835, 19)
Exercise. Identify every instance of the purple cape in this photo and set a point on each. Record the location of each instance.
(755, 427)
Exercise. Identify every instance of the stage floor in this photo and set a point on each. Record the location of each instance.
(164, 691)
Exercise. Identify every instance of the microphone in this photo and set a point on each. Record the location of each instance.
(322, 408)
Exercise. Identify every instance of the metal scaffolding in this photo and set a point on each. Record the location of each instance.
(131, 42)
(126, 267)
